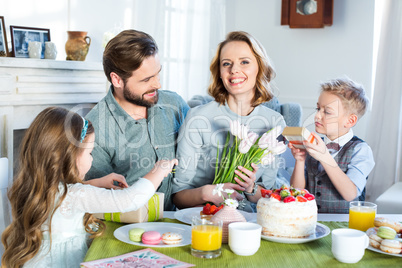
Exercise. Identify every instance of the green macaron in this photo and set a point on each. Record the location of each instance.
(386, 232)
(135, 234)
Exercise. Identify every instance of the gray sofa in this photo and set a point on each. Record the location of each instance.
(291, 111)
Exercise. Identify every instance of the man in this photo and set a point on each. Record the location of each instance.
(135, 123)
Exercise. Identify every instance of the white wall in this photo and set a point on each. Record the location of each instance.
(305, 57)
(92, 16)
(302, 57)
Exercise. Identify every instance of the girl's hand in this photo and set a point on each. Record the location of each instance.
(247, 177)
(298, 154)
(108, 181)
(160, 171)
(164, 167)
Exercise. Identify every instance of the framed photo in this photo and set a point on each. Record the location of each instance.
(21, 36)
(3, 38)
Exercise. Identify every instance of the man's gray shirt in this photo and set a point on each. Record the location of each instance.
(131, 147)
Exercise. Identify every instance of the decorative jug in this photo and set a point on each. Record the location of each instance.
(228, 215)
(50, 50)
(77, 45)
(35, 49)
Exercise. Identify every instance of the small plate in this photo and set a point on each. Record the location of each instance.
(373, 230)
(321, 231)
(186, 215)
(383, 252)
(161, 227)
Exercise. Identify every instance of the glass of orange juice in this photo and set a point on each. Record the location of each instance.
(361, 215)
(206, 237)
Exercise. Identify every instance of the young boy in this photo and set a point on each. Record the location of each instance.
(336, 175)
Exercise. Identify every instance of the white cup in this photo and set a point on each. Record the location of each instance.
(348, 245)
(244, 238)
(35, 49)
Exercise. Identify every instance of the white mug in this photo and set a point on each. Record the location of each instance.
(244, 238)
(50, 50)
(35, 49)
(349, 245)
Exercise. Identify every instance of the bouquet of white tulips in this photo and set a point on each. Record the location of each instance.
(246, 148)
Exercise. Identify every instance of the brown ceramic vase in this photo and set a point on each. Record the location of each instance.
(77, 45)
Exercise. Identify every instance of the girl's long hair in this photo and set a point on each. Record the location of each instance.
(48, 156)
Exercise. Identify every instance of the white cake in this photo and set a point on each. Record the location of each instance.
(294, 219)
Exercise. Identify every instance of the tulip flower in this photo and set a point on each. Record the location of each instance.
(250, 149)
(246, 143)
(268, 139)
(238, 130)
(279, 148)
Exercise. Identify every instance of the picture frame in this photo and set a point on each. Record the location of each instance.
(3, 38)
(21, 36)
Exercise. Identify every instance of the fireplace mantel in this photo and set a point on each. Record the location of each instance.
(27, 86)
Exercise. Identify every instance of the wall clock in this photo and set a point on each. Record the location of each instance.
(307, 13)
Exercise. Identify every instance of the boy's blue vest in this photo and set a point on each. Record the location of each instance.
(318, 183)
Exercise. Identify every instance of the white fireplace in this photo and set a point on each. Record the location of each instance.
(27, 86)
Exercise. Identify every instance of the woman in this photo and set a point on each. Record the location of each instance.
(241, 74)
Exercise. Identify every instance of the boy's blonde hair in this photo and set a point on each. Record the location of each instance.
(352, 94)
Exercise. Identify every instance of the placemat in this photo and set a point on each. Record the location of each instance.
(312, 254)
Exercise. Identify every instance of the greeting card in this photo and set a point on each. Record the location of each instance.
(142, 258)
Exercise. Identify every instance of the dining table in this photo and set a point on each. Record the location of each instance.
(316, 253)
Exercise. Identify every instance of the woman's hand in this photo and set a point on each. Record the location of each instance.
(108, 181)
(247, 177)
(208, 196)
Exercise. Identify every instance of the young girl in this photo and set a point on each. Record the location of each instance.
(49, 201)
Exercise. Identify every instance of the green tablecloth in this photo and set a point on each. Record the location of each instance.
(313, 254)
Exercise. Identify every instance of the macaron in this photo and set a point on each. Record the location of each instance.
(151, 237)
(375, 241)
(135, 234)
(391, 246)
(170, 238)
(386, 232)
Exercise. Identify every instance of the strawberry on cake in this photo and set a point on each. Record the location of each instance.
(210, 210)
(287, 212)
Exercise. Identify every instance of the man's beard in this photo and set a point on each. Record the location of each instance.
(139, 100)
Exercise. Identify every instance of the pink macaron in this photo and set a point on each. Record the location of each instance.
(151, 238)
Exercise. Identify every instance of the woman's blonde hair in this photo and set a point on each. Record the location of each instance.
(48, 156)
(265, 71)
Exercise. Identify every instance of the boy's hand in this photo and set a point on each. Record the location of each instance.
(318, 150)
(298, 154)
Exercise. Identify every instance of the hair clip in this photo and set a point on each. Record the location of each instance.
(84, 129)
